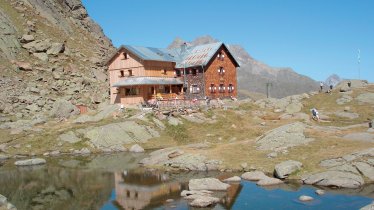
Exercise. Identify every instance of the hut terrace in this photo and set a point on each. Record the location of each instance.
(138, 74)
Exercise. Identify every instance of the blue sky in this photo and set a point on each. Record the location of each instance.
(314, 37)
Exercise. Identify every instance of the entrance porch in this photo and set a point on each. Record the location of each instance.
(135, 90)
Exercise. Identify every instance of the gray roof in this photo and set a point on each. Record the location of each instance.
(132, 81)
(192, 56)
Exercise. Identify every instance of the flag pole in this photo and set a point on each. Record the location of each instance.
(359, 62)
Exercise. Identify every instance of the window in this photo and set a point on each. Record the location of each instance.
(212, 88)
(220, 56)
(221, 88)
(194, 71)
(231, 88)
(122, 73)
(221, 70)
(132, 91)
(124, 56)
(130, 72)
(178, 73)
(194, 89)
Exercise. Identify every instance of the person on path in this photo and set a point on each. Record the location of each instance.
(321, 86)
(315, 115)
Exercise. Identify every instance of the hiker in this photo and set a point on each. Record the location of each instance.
(349, 83)
(331, 86)
(321, 86)
(315, 115)
(122, 108)
(207, 100)
(370, 123)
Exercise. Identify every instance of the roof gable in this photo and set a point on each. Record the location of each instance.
(199, 55)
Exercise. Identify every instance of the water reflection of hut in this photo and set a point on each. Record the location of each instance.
(141, 190)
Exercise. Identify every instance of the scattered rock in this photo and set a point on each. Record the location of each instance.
(284, 169)
(69, 137)
(26, 38)
(207, 184)
(63, 109)
(56, 48)
(136, 148)
(305, 198)
(35, 161)
(294, 107)
(174, 121)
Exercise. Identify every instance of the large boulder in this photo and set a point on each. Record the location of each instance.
(289, 135)
(29, 162)
(284, 169)
(362, 136)
(136, 148)
(335, 179)
(63, 109)
(366, 98)
(207, 184)
(115, 135)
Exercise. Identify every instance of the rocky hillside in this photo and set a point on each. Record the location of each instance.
(253, 75)
(50, 50)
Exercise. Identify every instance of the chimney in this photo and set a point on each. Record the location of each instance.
(183, 47)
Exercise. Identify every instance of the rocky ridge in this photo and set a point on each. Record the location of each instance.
(50, 50)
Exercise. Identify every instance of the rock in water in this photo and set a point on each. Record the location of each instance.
(254, 175)
(269, 181)
(368, 207)
(136, 148)
(233, 179)
(207, 184)
(305, 198)
(320, 192)
(284, 169)
(335, 179)
(29, 162)
(204, 201)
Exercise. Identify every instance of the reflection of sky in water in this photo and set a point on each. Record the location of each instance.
(251, 196)
(92, 186)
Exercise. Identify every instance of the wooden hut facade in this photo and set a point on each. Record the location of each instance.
(138, 74)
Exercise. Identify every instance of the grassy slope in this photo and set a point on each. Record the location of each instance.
(233, 136)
